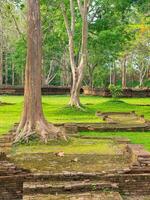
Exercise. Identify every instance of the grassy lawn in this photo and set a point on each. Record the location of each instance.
(135, 137)
(57, 111)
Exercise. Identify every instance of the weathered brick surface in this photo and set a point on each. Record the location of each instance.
(19, 90)
(126, 92)
(73, 128)
(11, 180)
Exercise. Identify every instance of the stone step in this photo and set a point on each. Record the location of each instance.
(78, 196)
(66, 176)
(63, 187)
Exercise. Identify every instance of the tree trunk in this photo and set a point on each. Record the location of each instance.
(124, 72)
(114, 75)
(33, 122)
(75, 90)
(6, 70)
(110, 76)
(13, 74)
(1, 55)
(1, 68)
(77, 69)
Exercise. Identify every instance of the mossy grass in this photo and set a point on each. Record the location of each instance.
(72, 146)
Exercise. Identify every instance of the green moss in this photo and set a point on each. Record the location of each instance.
(73, 146)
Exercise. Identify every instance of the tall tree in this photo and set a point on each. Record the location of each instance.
(1, 53)
(124, 71)
(77, 67)
(33, 121)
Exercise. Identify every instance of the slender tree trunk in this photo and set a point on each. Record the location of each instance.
(33, 121)
(141, 77)
(91, 68)
(1, 67)
(77, 68)
(91, 81)
(6, 70)
(124, 72)
(110, 76)
(114, 75)
(1, 54)
(78, 72)
(13, 74)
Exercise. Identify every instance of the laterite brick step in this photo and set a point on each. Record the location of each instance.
(62, 187)
(77, 196)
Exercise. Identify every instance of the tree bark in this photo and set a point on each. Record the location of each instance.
(1, 67)
(1, 54)
(33, 122)
(77, 69)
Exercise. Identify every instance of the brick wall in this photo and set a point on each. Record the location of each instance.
(11, 180)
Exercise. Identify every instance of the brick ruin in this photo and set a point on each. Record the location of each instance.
(11, 180)
(134, 180)
(60, 90)
(128, 92)
(46, 90)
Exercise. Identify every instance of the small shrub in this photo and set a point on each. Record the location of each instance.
(116, 91)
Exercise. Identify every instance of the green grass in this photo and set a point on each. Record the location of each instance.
(57, 111)
(135, 137)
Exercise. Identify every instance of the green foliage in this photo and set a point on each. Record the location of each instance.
(115, 90)
(116, 28)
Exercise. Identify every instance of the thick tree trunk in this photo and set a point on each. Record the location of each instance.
(33, 121)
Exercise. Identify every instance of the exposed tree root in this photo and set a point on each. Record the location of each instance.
(78, 106)
(42, 129)
(75, 102)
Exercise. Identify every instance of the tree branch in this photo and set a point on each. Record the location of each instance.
(80, 7)
(65, 19)
(72, 16)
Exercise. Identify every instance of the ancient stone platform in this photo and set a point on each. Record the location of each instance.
(134, 179)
